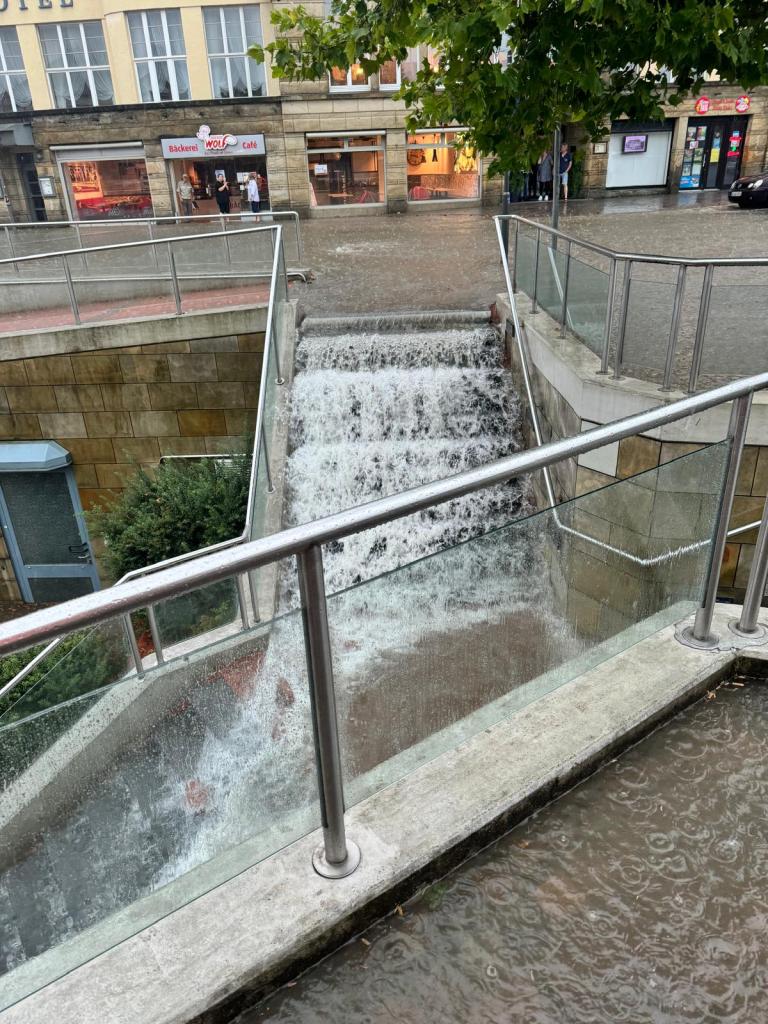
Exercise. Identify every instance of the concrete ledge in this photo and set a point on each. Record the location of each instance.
(153, 330)
(217, 955)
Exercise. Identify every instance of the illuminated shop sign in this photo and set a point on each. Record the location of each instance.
(34, 5)
(205, 143)
(705, 105)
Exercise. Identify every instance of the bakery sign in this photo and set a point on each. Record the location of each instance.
(206, 143)
(705, 105)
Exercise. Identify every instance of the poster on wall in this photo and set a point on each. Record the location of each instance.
(635, 144)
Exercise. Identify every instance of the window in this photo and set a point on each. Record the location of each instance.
(440, 167)
(109, 181)
(14, 89)
(349, 78)
(415, 61)
(229, 31)
(389, 75)
(158, 49)
(76, 61)
(345, 170)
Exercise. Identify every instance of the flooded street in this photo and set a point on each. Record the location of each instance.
(639, 896)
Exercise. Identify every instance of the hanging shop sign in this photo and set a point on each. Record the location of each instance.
(205, 143)
(705, 105)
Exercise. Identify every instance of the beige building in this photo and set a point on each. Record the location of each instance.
(104, 107)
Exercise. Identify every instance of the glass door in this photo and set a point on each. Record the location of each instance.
(712, 156)
(697, 139)
(45, 533)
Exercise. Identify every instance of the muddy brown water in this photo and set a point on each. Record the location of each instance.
(639, 896)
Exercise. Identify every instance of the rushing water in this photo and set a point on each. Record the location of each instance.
(637, 897)
(372, 413)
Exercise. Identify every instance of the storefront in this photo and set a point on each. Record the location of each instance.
(207, 156)
(638, 154)
(104, 181)
(714, 145)
(440, 167)
(346, 169)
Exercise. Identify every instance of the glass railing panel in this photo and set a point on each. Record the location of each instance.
(588, 288)
(120, 283)
(83, 663)
(649, 319)
(183, 620)
(525, 263)
(736, 337)
(551, 281)
(426, 656)
(157, 790)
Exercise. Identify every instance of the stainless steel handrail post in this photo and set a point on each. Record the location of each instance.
(514, 255)
(226, 240)
(747, 624)
(242, 601)
(154, 632)
(151, 231)
(71, 290)
(80, 243)
(11, 246)
(619, 357)
(338, 856)
(701, 328)
(564, 311)
(700, 634)
(134, 647)
(536, 270)
(174, 278)
(609, 316)
(674, 328)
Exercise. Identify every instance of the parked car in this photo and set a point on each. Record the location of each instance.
(750, 190)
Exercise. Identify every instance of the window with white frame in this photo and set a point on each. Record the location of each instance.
(348, 79)
(76, 61)
(229, 31)
(158, 50)
(414, 62)
(389, 75)
(14, 88)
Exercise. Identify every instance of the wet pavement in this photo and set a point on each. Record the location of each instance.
(449, 259)
(638, 896)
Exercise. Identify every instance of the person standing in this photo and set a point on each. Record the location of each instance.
(253, 192)
(544, 176)
(186, 195)
(566, 163)
(222, 193)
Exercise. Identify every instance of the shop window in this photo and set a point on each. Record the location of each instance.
(101, 189)
(76, 60)
(348, 78)
(158, 50)
(440, 166)
(346, 170)
(389, 75)
(229, 31)
(14, 88)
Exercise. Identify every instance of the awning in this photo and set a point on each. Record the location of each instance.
(16, 134)
(32, 456)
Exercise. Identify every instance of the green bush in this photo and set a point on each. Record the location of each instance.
(180, 507)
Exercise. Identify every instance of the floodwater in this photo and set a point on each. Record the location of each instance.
(639, 896)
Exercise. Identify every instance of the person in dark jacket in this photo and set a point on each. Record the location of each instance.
(222, 194)
(566, 163)
(544, 175)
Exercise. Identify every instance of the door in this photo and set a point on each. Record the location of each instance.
(713, 149)
(46, 537)
(32, 193)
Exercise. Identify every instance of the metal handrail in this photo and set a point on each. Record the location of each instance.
(639, 257)
(171, 582)
(630, 261)
(221, 545)
(180, 218)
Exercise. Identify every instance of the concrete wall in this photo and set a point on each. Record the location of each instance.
(572, 397)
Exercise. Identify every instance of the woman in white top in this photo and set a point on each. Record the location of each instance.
(253, 193)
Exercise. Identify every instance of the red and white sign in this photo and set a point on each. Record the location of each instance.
(207, 144)
(705, 105)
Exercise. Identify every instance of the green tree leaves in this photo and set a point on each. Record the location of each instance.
(587, 60)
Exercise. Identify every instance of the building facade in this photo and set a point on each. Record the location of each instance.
(104, 107)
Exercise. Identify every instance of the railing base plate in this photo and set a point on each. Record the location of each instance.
(346, 867)
(685, 636)
(758, 636)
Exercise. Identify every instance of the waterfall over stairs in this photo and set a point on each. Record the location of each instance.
(379, 405)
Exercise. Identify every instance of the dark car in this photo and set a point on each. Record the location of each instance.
(751, 190)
